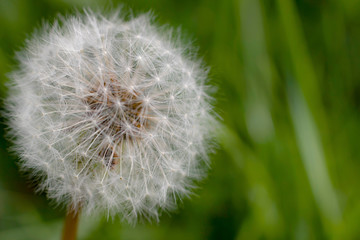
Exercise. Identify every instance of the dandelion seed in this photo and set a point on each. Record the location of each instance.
(107, 113)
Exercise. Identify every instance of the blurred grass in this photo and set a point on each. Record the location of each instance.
(289, 94)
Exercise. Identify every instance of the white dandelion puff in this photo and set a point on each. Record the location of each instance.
(113, 115)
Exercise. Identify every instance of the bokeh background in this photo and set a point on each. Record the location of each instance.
(288, 163)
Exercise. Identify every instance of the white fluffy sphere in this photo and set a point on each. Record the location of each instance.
(111, 115)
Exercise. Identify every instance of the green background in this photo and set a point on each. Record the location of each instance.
(288, 162)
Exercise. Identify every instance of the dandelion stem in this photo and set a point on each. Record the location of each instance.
(71, 224)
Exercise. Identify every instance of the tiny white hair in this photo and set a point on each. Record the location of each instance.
(112, 115)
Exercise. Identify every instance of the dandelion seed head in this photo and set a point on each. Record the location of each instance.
(108, 113)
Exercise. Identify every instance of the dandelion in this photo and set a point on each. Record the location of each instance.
(111, 115)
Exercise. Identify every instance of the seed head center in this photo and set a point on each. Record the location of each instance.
(119, 113)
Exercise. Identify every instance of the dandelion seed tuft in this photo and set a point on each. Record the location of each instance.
(113, 115)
